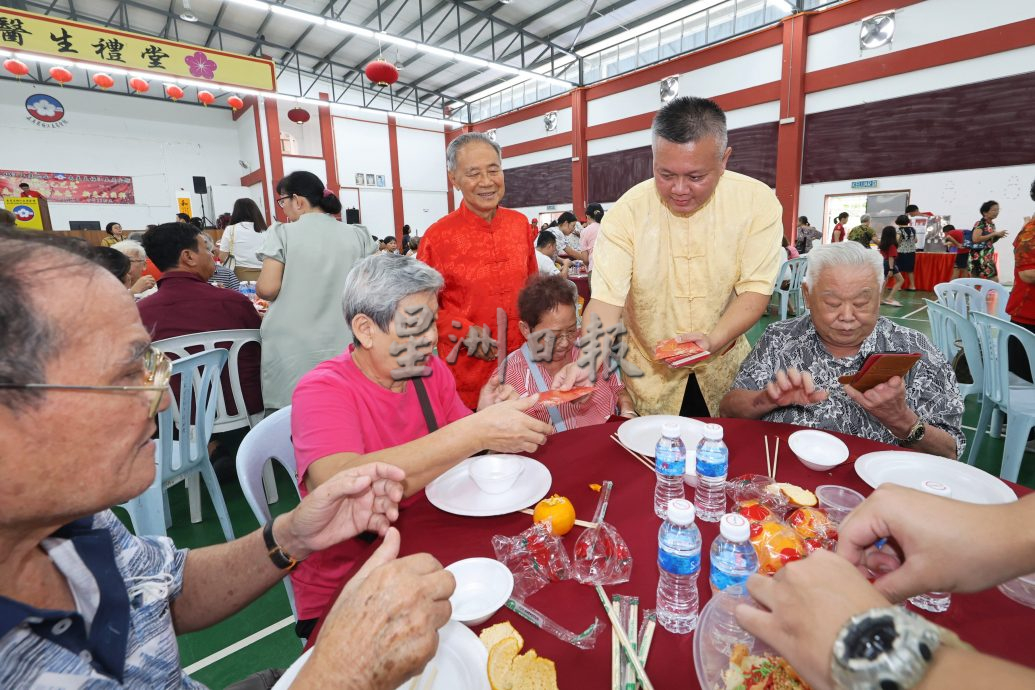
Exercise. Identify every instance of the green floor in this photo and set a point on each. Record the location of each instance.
(237, 647)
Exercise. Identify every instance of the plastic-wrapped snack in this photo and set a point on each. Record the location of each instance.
(536, 556)
(755, 510)
(759, 488)
(816, 529)
(776, 545)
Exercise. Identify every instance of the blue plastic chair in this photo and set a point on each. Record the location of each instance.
(959, 297)
(1017, 401)
(181, 458)
(791, 272)
(984, 286)
(268, 440)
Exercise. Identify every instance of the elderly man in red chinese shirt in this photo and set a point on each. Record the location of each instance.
(485, 254)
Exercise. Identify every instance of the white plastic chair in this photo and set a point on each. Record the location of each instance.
(186, 456)
(1016, 400)
(269, 440)
(958, 297)
(984, 287)
(793, 273)
(232, 341)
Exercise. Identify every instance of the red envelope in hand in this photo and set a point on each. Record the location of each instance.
(557, 397)
(676, 354)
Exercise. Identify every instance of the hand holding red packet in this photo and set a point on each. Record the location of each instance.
(551, 398)
(677, 354)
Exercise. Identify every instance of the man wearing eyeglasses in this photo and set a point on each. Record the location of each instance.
(84, 602)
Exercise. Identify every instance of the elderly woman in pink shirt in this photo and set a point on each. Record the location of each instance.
(388, 398)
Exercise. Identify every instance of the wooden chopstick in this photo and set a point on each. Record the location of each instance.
(776, 457)
(616, 657)
(623, 640)
(768, 461)
(634, 614)
(580, 523)
(643, 460)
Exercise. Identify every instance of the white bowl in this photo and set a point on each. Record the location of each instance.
(818, 450)
(1021, 590)
(495, 474)
(483, 585)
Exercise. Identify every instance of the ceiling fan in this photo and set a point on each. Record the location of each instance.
(876, 31)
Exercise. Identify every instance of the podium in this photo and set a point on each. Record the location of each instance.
(30, 212)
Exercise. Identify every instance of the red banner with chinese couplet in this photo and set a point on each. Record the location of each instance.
(64, 188)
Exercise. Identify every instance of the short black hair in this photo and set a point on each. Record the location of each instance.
(685, 120)
(545, 239)
(902, 220)
(948, 227)
(912, 207)
(543, 293)
(166, 242)
(24, 184)
(184, 217)
(567, 217)
(987, 206)
(1032, 192)
(803, 219)
(109, 226)
(390, 238)
(111, 260)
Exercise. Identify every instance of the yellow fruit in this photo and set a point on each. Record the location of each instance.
(501, 659)
(798, 495)
(558, 511)
(494, 634)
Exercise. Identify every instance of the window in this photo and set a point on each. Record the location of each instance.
(648, 48)
(669, 38)
(721, 21)
(750, 14)
(695, 32)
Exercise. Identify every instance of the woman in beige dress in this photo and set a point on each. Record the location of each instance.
(304, 265)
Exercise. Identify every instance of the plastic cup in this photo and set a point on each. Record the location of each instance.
(838, 501)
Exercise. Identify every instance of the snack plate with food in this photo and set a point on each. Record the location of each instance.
(753, 666)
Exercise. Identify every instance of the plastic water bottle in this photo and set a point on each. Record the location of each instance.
(679, 563)
(935, 602)
(712, 465)
(669, 465)
(733, 560)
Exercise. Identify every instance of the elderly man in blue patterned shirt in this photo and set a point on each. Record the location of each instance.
(792, 374)
(83, 603)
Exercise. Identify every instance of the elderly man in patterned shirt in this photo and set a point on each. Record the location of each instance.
(792, 374)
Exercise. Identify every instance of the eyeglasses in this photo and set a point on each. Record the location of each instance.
(282, 199)
(157, 372)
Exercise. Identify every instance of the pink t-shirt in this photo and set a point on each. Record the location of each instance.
(589, 239)
(336, 409)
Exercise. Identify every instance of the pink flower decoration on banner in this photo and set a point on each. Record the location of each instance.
(200, 65)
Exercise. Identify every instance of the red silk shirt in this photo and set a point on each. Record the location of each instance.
(485, 266)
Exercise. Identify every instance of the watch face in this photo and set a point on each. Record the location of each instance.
(872, 639)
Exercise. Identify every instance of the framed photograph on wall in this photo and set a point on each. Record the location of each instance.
(380, 180)
(370, 179)
(360, 179)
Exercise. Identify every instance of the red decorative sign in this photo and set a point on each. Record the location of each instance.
(64, 188)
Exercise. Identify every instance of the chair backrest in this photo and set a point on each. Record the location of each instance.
(195, 412)
(231, 341)
(994, 334)
(269, 439)
(986, 290)
(958, 297)
(949, 327)
(793, 272)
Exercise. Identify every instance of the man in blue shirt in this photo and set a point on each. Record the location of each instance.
(84, 602)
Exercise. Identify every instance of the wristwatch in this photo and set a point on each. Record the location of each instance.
(916, 433)
(279, 557)
(888, 648)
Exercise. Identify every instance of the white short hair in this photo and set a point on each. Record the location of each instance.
(841, 254)
(130, 248)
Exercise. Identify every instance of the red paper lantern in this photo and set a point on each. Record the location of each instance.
(298, 116)
(139, 85)
(103, 80)
(235, 102)
(206, 98)
(16, 67)
(173, 91)
(381, 72)
(60, 75)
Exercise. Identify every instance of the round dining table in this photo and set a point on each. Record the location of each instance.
(988, 620)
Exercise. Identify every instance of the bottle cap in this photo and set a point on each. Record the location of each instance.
(713, 432)
(937, 488)
(680, 512)
(670, 430)
(734, 527)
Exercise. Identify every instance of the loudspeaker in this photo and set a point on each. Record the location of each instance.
(352, 216)
(199, 186)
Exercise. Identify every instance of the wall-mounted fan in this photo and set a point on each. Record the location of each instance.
(876, 31)
(491, 134)
(669, 88)
(550, 121)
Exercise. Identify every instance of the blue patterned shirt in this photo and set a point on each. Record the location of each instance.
(121, 633)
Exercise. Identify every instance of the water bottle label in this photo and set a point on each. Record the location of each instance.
(678, 564)
(670, 464)
(726, 582)
(712, 463)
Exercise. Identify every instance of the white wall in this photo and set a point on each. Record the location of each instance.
(537, 157)
(421, 209)
(160, 145)
(316, 166)
(376, 211)
(532, 129)
(957, 193)
(422, 159)
(247, 145)
(303, 138)
(362, 147)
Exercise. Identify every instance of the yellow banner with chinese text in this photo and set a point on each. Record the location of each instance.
(101, 46)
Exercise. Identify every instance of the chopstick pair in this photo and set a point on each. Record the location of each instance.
(580, 523)
(642, 459)
(623, 641)
(770, 468)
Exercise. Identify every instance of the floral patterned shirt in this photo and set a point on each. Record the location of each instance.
(931, 388)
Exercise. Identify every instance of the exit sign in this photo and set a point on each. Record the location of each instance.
(864, 184)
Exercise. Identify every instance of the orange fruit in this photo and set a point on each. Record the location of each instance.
(558, 511)
(501, 659)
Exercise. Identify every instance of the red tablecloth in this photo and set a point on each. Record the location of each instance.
(582, 285)
(932, 268)
(989, 621)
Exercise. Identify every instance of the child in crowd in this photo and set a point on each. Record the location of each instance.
(889, 250)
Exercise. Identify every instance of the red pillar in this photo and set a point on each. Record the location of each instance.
(397, 192)
(579, 158)
(330, 155)
(276, 157)
(791, 135)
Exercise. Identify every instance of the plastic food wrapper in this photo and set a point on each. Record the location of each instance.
(758, 488)
(776, 545)
(602, 557)
(535, 557)
(587, 639)
(815, 528)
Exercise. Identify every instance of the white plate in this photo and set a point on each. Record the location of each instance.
(460, 663)
(910, 469)
(455, 492)
(642, 433)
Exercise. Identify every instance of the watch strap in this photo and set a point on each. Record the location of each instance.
(916, 432)
(280, 558)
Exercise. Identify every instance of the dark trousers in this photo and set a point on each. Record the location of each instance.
(693, 401)
(1018, 358)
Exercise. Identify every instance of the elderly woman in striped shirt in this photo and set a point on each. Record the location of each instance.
(546, 307)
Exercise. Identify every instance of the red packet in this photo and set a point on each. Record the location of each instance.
(677, 354)
(557, 397)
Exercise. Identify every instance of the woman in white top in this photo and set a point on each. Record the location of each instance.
(242, 239)
(304, 265)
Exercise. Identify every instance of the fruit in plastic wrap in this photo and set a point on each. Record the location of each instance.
(760, 488)
(755, 511)
(814, 527)
(776, 545)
